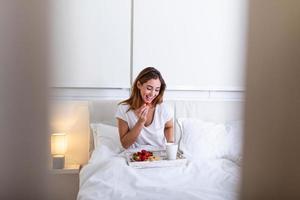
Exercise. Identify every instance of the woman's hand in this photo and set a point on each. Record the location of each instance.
(142, 113)
(129, 136)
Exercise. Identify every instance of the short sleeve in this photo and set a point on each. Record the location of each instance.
(167, 112)
(122, 112)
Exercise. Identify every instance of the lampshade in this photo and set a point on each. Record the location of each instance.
(58, 143)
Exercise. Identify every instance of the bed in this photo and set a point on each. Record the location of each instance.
(209, 134)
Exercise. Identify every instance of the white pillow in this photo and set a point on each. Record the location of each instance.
(234, 141)
(108, 135)
(201, 139)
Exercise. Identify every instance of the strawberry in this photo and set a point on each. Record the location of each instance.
(143, 158)
(143, 151)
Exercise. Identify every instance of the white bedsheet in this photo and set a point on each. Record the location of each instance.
(107, 176)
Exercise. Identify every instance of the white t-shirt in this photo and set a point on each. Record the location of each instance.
(152, 134)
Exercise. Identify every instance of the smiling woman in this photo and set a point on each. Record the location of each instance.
(142, 118)
(149, 90)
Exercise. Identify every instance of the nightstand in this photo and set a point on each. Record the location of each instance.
(69, 169)
(64, 183)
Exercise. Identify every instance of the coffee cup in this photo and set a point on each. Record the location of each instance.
(171, 149)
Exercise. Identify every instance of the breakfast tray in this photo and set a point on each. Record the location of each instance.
(163, 162)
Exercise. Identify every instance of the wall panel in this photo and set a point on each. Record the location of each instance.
(91, 43)
(196, 44)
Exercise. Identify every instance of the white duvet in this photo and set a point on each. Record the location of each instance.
(107, 176)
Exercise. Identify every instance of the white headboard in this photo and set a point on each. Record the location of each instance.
(103, 111)
(210, 110)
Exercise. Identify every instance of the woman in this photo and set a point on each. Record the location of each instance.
(143, 119)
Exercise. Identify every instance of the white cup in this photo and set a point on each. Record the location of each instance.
(171, 151)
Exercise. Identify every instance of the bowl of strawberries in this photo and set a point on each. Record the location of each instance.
(144, 155)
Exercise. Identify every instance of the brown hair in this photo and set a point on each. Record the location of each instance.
(135, 101)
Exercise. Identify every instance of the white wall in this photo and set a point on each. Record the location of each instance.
(72, 118)
(90, 43)
(196, 44)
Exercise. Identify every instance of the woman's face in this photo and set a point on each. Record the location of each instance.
(149, 90)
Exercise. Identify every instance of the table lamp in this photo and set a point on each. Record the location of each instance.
(58, 150)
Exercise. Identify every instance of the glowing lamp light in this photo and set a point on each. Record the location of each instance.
(58, 149)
